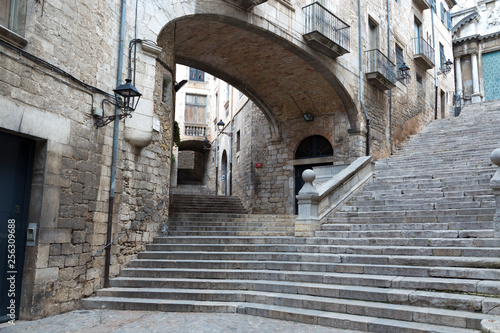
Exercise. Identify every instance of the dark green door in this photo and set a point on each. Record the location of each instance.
(16, 161)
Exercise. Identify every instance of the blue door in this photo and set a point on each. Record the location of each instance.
(16, 161)
(491, 75)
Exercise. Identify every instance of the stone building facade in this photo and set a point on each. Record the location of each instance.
(476, 48)
(59, 61)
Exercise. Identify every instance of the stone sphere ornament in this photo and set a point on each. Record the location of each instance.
(495, 156)
(308, 176)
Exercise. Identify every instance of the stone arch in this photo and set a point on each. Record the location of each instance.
(262, 64)
(314, 146)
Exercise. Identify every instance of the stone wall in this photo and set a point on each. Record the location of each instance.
(270, 189)
(71, 184)
(49, 97)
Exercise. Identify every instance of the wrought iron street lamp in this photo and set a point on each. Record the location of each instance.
(404, 72)
(126, 99)
(447, 67)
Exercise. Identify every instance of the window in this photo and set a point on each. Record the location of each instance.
(13, 15)
(419, 79)
(196, 75)
(195, 109)
(400, 58)
(314, 146)
(433, 5)
(418, 35)
(442, 59)
(238, 141)
(448, 18)
(373, 34)
(443, 11)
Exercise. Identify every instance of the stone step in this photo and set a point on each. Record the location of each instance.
(204, 216)
(324, 318)
(436, 242)
(418, 260)
(482, 233)
(450, 301)
(286, 232)
(412, 271)
(420, 213)
(470, 286)
(220, 223)
(228, 240)
(453, 318)
(432, 192)
(422, 206)
(331, 249)
(449, 219)
(228, 226)
(361, 201)
(338, 226)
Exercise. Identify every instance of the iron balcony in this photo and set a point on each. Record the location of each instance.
(325, 32)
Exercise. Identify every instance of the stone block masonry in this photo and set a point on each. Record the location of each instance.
(51, 104)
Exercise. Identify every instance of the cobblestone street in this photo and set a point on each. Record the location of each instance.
(99, 321)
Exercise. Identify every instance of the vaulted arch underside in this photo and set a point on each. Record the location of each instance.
(283, 80)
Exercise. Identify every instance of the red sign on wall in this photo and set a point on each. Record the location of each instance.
(258, 165)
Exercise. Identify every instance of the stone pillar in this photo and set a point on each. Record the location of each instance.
(476, 95)
(495, 185)
(308, 200)
(458, 76)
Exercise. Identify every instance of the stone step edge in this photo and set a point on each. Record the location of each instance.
(242, 294)
(299, 247)
(473, 286)
(323, 318)
(393, 295)
(459, 259)
(349, 268)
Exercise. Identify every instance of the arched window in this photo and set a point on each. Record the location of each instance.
(314, 146)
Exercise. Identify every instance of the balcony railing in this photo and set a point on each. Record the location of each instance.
(424, 53)
(380, 71)
(325, 32)
(199, 130)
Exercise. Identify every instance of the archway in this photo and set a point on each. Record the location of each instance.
(224, 173)
(310, 149)
(282, 79)
(191, 164)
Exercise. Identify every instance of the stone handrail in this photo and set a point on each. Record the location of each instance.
(495, 185)
(316, 204)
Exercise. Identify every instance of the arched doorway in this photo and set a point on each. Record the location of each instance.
(224, 173)
(313, 147)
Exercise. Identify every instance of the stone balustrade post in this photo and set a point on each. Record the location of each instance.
(308, 200)
(495, 185)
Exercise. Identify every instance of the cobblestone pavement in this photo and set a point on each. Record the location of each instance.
(109, 321)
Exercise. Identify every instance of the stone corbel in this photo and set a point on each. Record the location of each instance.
(150, 48)
(139, 128)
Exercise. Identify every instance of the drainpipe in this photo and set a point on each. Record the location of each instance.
(116, 130)
(361, 90)
(217, 165)
(230, 177)
(435, 69)
(389, 56)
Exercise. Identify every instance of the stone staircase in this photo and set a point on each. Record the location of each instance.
(216, 215)
(412, 253)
